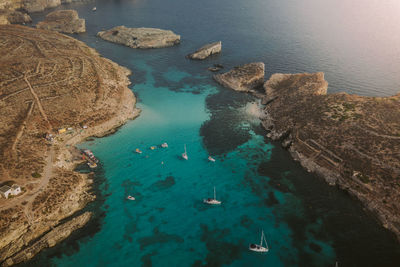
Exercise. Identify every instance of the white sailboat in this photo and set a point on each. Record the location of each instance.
(184, 155)
(212, 201)
(260, 248)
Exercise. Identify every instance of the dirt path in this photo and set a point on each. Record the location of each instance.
(39, 104)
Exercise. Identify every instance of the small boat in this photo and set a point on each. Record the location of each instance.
(212, 201)
(92, 165)
(152, 147)
(260, 248)
(94, 9)
(130, 198)
(184, 154)
(164, 145)
(211, 159)
(138, 151)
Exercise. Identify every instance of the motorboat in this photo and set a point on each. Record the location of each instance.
(138, 151)
(164, 145)
(212, 201)
(211, 159)
(260, 248)
(130, 198)
(94, 9)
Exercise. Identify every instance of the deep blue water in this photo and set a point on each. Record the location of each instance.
(307, 223)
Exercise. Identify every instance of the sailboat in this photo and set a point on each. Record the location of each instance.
(212, 201)
(184, 155)
(260, 248)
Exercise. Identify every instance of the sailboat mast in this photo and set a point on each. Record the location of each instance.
(185, 148)
(215, 196)
(262, 234)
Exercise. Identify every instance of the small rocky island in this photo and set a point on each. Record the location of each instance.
(206, 51)
(66, 21)
(351, 141)
(143, 38)
(55, 92)
(243, 78)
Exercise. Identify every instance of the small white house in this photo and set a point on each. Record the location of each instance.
(15, 190)
(6, 191)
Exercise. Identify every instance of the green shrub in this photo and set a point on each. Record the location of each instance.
(36, 175)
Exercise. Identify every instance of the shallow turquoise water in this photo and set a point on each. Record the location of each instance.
(307, 223)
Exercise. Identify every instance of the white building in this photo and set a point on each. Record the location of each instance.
(6, 191)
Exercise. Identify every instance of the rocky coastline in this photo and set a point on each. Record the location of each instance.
(348, 140)
(53, 193)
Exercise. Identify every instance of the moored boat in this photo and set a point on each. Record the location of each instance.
(164, 145)
(184, 154)
(260, 248)
(130, 198)
(211, 159)
(138, 151)
(212, 201)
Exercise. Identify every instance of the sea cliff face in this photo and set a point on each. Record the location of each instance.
(44, 88)
(140, 37)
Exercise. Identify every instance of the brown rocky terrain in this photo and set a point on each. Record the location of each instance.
(143, 38)
(349, 140)
(66, 21)
(49, 81)
(206, 51)
(243, 78)
(8, 16)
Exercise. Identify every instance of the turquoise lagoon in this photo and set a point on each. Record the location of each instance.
(307, 222)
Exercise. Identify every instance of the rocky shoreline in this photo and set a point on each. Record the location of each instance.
(36, 219)
(348, 140)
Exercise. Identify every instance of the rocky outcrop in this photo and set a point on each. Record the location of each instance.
(140, 37)
(50, 239)
(243, 78)
(66, 21)
(349, 140)
(206, 51)
(8, 16)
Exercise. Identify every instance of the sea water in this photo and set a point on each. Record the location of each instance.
(306, 222)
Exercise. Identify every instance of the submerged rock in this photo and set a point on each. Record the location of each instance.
(206, 51)
(243, 78)
(140, 37)
(66, 21)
